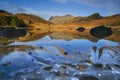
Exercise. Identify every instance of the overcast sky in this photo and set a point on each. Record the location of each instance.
(47, 8)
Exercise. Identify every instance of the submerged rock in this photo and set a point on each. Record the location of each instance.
(48, 68)
(98, 65)
(86, 77)
(101, 32)
(94, 48)
(6, 64)
(89, 78)
(65, 53)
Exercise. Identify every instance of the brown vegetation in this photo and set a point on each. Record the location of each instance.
(90, 21)
(31, 19)
(67, 25)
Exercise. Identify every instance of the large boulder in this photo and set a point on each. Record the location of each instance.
(101, 32)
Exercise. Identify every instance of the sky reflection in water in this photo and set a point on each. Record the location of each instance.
(50, 52)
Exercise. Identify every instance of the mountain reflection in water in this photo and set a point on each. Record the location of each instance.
(61, 56)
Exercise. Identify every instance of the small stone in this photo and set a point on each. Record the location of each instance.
(6, 64)
(65, 53)
(108, 66)
(89, 77)
(48, 68)
(41, 48)
(64, 67)
(117, 65)
(32, 59)
(30, 53)
(98, 65)
(81, 29)
(94, 48)
(82, 67)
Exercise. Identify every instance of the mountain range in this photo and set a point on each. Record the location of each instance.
(68, 20)
(92, 20)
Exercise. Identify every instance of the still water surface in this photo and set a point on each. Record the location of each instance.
(49, 58)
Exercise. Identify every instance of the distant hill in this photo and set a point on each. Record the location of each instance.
(34, 22)
(5, 13)
(70, 19)
(92, 20)
(21, 20)
(95, 16)
(61, 19)
(8, 19)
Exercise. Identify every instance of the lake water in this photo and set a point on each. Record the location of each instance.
(59, 56)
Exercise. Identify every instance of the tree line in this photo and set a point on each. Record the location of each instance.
(13, 21)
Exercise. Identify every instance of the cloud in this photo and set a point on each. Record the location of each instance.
(11, 8)
(43, 14)
(17, 9)
(110, 5)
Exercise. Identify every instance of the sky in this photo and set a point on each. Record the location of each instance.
(48, 8)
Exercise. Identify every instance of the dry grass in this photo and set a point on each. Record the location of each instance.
(33, 18)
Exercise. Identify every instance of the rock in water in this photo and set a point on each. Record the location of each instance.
(6, 64)
(94, 48)
(81, 29)
(101, 32)
(88, 78)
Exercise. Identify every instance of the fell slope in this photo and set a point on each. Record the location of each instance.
(33, 18)
(89, 21)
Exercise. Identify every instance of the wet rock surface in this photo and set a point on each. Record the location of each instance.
(101, 32)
